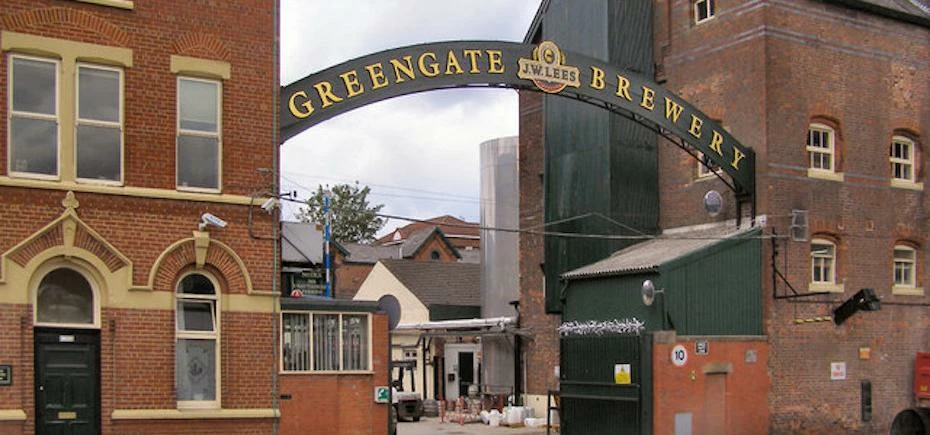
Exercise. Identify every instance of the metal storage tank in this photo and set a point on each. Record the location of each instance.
(499, 261)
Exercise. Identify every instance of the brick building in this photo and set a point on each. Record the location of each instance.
(352, 262)
(122, 308)
(831, 96)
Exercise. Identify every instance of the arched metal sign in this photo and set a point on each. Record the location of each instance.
(492, 64)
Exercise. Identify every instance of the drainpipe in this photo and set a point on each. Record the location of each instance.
(517, 358)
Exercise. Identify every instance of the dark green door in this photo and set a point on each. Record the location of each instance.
(466, 372)
(67, 382)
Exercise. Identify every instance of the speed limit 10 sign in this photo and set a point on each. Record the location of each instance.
(679, 355)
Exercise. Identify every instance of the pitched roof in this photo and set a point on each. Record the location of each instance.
(911, 11)
(451, 226)
(362, 253)
(649, 255)
(301, 242)
(437, 283)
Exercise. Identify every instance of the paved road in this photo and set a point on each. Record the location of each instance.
(432, 426)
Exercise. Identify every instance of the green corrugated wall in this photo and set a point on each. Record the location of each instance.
(596, 162)
(717, 291)
(714, 291)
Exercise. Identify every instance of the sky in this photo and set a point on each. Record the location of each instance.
(418, 153)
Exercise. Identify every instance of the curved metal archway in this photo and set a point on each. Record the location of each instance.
(544, 68)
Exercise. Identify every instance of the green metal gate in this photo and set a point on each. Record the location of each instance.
(591, 400)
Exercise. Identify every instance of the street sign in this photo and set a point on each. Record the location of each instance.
(679, 355)
(701, 347)
(382, 394)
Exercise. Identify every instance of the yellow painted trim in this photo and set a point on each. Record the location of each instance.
(164, 254)
(825, 287)
(122, 4)
(68, 216)
(825, 175)
(142, 192)
(905, 184)
(66, 50)
(907, 291)
(12, 415)
(69, 53)
(247, 304)
(214, 69)
(193, 414)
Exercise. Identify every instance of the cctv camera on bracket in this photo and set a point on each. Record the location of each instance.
(208, 219)
(269, 204)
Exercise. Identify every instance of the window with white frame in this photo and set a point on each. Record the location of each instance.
(325, 342)
(703, 10)
(902, 159)
(706, 167)
(905, 266)
(99, 137)
(823, 262)
(197, 356)
(34, 120)
(821, 147)
(199, 134)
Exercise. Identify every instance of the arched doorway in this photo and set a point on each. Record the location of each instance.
(67, 351)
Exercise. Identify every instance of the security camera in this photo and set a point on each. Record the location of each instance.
(210, 219)
(269, 205)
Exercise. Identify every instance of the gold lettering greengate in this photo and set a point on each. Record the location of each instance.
(597, 78)
(672, 110)
(353, 87)
(715, 141)
(406, 69)
(495, 62)
(307, 105)
(452, 62)
(430, 69)
(325, 91)
(696, 124)
(472, 56)
(623, 88)
(648, 102)
(376, 72)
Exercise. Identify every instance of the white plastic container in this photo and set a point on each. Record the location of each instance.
(515, 415)
(494, 420)
(534, 422)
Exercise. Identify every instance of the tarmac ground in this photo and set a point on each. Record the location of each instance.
(432, 426)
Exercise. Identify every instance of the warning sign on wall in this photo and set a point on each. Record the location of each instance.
(622, 374)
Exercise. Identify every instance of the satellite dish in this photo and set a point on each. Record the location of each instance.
(649, 293)
(713, 202)
(390, 305)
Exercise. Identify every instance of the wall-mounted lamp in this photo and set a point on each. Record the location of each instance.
(864, 300)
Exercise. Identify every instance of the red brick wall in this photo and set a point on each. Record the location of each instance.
(241, 33)
(342, 403)
(16, 349)
(137, 346)
(685, 389)
(434, 244)
(542, 352)
(184, 427)
(793, 63)
(349, 277)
